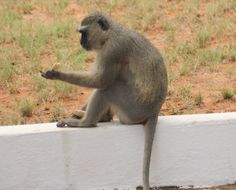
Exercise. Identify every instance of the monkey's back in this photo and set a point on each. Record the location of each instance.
(147, 69)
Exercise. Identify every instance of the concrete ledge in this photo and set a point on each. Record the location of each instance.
(197, 150)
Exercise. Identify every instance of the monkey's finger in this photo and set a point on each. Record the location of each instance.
(47, 75)
(44, 75)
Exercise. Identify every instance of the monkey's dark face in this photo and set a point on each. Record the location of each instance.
(84, 40)
(93, 31)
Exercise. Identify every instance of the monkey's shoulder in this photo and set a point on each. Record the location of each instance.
(140, 46)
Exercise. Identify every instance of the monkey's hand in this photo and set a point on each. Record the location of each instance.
(51, 74)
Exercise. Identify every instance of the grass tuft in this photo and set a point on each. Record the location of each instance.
(7, 72)
(58, 112)
(26, 108)
(185, 92)
(202, 38)
(9, 17)
(227, 93)
(198, 99)
(63, 89)
(27, 8)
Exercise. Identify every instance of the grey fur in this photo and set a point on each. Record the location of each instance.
(129, 76)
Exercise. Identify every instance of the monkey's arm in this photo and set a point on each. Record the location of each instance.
(100, 79)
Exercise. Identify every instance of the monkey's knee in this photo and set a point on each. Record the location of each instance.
(79, 114)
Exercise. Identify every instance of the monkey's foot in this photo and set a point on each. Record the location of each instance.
(150, 188)
(62, 124)
(73, 123)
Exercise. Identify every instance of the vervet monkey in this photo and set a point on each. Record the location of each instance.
(129, 78)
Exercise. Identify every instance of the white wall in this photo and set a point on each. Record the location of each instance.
(197, 150)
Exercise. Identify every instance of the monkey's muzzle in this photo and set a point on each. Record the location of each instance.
(81, 29)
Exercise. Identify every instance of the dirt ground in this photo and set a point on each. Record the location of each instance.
(198, 92)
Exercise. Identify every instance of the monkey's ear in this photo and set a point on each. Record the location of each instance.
(103, 23)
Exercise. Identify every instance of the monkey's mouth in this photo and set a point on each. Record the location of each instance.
(85, 45)
(84, 42)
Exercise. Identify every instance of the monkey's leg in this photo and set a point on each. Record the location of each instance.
(73, 123)
(79, 114)
(96, 107)
(149, 132)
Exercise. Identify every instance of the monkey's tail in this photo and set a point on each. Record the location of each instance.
(149, 132)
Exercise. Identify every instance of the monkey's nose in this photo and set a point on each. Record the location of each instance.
(81, 29)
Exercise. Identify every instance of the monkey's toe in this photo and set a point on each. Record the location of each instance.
(61, 124)
(69, 123)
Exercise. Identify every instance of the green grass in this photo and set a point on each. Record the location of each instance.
(185, 69)
(62, 29)
(77, 57)
(169, 26)
(202, 38)
(175, 111)
(39, 83)
(26, 108)
(198, 99)
(170, 56)
(45, 96)
(186, 48)
(208, 57)
(43, 89)
(230, 71)
(185, 92)
(7, 72)
(63, 89)
(36, 34)
(58, 112)
(9, 17)
(33, 39)
(27, 7)
(228, 52)
(228, 93)
(136, 9)
(55, 7)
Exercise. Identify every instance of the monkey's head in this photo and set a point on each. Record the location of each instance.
(94, 31)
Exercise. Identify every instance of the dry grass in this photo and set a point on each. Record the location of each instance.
(195, 36)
